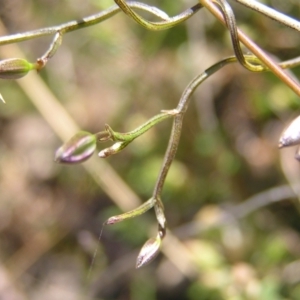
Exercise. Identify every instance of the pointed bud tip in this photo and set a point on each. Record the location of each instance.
(148, 252)
(112, 220)
(78, 149)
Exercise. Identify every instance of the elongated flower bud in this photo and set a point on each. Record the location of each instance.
(148, 252)
(78, 149)
(291, 135)
(15, 68)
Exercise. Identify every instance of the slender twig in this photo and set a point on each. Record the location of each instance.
(232, 27)
(264, 58)
(183, 105)
(157, 25)
(271, 13)
(178, 119)
(98, 18)
(170, 154)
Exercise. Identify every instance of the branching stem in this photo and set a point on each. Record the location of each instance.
(264, 58)
(183, 105)
(100, 17)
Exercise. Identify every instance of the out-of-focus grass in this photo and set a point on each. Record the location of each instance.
(120, 74)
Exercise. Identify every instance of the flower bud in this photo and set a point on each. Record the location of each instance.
(78, 149)
(15, 68)
(291, 135)
(148, 252)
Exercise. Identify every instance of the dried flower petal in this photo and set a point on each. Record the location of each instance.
(15, 68)
(148, 252)
(291, 135)
(78, 149)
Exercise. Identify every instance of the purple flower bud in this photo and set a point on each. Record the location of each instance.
(15, 68)
(78, 149)
(148, 252)
(291, 135)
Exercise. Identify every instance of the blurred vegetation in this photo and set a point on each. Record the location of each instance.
(119, 73)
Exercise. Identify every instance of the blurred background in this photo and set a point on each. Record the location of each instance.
(231, 197)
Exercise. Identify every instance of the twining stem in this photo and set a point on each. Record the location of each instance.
(177, 114)
(231, 24)
(131, 135)
(98, 18)
(170, 154)
(271, 13)
(264, 58)
(183, 105)
(131, 214)
(123, 139)
(57, 40)
(178, 119)
(157, 25)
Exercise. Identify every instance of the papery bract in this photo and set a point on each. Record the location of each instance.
(114, 149)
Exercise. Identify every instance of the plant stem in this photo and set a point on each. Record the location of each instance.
(271, 13)
(98, 18)
(131, 214)
(265, 59)
(183, 106)
(157, 25)
(131, 135)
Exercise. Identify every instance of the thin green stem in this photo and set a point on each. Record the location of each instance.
(183, 105)
(131, 135)
(124, 139)
(157, 25)
(177, 123)
(133, 213)
(231, 24)
(170, 155)
(98, 18)
(57, 40)
(263, 57)
(271, 13)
